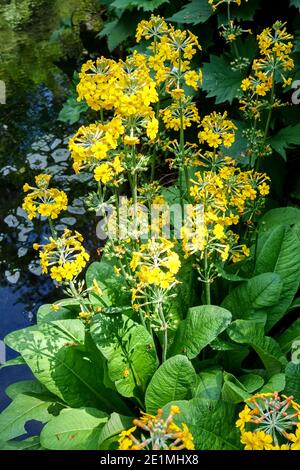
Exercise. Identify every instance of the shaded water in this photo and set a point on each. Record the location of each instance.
(42, 44)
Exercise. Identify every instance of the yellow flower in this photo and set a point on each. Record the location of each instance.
(131, 140)
(48, 202)
(64, 257)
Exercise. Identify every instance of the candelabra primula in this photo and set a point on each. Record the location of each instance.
(157, 433)
(270, 421)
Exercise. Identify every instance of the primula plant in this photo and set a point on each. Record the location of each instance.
(172, 336)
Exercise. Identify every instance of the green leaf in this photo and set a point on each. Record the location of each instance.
(251, 382)
(24, 408)
(211, 422)
(233, 391)
(74, 429)
(32, 443)
(289, 336)
(16, 361)
(279, 252)
(129, 350)
(292, 375)
(114, 426)
(209, 384)
(249, 332)
(72, 110)
(174, 380)
(286, 139)
(55, 354)
(220, 81)
(111, 284)
(32, 387)
(249, 300)
(195, 12)
(119, 30)
(46, 313)
(202, 325)
(280, 216)
(275, 384)
(146, 5)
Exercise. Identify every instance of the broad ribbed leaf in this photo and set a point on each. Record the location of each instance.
(248, 332)
(292, 375)
(22, 409)
(55, 353)
(129, 350)
(279, 252)
(209, 384)
(211, 422)
(249, 300)
(202, 325)
(174, 380)
(74, 429)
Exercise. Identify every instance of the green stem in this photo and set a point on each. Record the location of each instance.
(235, 48)
(207, 280)
(101, 116)
(165, 332)
(267, 128)
(52, 229)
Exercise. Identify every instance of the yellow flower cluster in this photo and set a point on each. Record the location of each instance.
(64, 257)
(48, 202)
(156, 264)
(217, 130)
(226, 194)
(164, 434)
(125, 87)
(277, 42)
(266, 423)
(173, 118)
(275, 45)
(91, 144)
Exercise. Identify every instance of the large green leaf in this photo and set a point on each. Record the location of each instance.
(220, 81)
(195, 12)
(251, 333)
(113, 427)
(275, 384)
(292, 374)
(111, 285)
(119, 30)
(251, 382)
(233, 390)
(71, 110)
(56, 355)
(279, 216)
(209, 384)
(174, 380)
(211, 422)
(249, 300)
(279, 252)
(74, 429)
(129, 350)
(22, 409)
(285, 139)
(202, 325)
(31, 387)
(146, 5)
(31, 443)
(46, 313)
(290, 335)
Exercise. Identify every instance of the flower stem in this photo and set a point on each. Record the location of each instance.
(165, 332)
(52, 229)
(207, 280)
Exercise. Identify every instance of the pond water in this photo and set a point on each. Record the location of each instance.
(41, 46)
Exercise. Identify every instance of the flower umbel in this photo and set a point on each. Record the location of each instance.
(165, 434)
